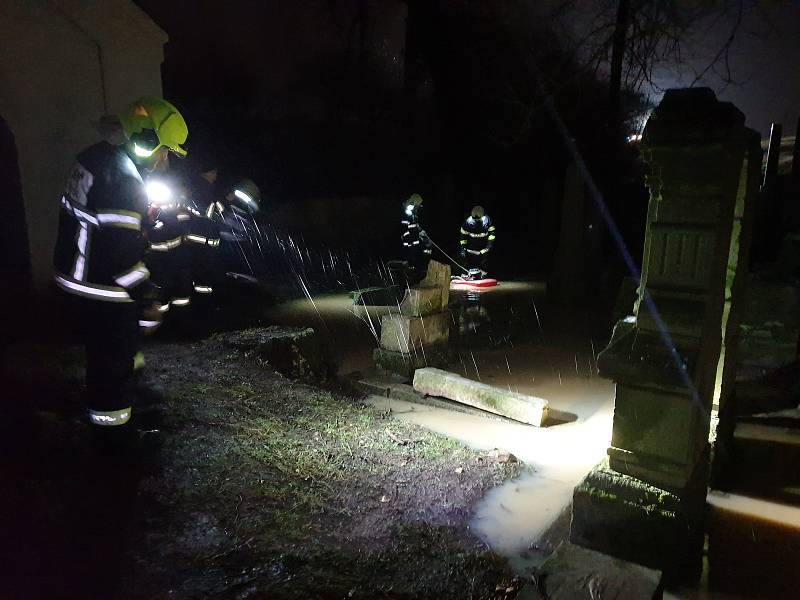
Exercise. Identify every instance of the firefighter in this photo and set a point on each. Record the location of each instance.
(234, 215)
(202, 188)
(416, 243)
(99, 254)
(167, 257)
(202, 177)
(476, 241)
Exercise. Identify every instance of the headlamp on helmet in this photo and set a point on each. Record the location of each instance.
(247, 195)
(159, 194)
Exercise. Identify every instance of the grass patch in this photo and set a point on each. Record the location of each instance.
(308, 486)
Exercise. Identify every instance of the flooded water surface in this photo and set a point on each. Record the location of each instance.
(509, 337)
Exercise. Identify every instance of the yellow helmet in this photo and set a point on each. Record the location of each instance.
(414, 200)
(151, 123)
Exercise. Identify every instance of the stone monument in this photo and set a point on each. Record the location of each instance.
(417, 336)
(674, 357)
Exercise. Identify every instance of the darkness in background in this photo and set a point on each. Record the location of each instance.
(15, 267)
(382, 98)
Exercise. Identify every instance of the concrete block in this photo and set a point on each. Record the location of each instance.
(576, 573)
(649, 436)
(438, 275)
(526, 409)
(403, 391)
(401, 333)
(432, 295)
(423, 300)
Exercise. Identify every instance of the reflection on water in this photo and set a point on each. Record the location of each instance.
(509, 336)
(512, 517)
(506, 336)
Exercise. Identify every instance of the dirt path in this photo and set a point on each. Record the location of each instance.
(271, 488)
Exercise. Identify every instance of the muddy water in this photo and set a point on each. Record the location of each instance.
(513, 517)
(510, 337)
(351, 334)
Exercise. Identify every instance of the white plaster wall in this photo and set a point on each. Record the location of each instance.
(63, 64)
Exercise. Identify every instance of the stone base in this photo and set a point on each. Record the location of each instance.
(573, 572)
(401, 333)
(424, 300)
(405, 364)
(622, 516)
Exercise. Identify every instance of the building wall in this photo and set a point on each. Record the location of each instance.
(65, 63)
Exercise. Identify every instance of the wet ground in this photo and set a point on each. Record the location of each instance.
(265, 487)
(270, 487)
(508, 336)
(511, 336)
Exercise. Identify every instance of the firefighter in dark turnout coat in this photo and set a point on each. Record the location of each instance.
(477, 237)
(99, 252)
(416, 244)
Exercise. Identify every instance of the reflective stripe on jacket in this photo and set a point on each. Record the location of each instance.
(477, 235)
(100, 247)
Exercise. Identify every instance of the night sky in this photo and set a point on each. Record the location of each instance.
(270, 47)
(764, 60)
(308, 98)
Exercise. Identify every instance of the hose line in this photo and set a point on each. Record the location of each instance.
(466, 271)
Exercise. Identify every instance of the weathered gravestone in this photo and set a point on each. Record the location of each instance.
(417, 337)
(674, 357)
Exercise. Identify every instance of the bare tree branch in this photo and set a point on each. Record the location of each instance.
(725, 50)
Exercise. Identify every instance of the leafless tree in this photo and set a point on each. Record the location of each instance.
(632, 42)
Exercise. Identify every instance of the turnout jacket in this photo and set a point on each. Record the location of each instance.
(410, 237)
(180, 252)
(477, 235)
(100, 246)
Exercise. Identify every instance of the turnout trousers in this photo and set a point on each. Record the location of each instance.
(109, 332)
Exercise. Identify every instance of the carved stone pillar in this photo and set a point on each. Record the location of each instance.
(673, 358)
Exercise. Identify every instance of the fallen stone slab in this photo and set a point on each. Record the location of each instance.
(520, 407)
(577, 573)
(405, 392)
